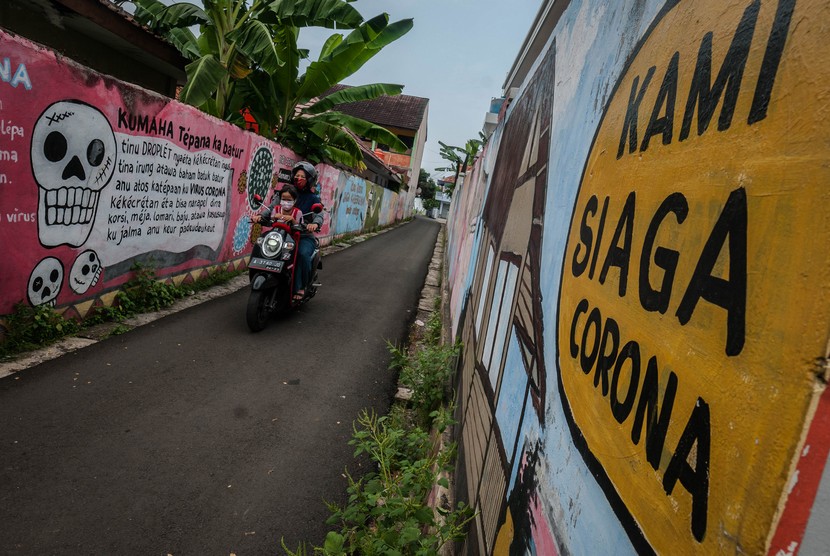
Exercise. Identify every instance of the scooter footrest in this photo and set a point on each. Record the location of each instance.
(316, 284)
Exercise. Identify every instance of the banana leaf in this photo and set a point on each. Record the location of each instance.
(350, 55)
(255, 41)
(354, 94)
(332, 14)
(182, 14)
(362, 128)
(203, 78)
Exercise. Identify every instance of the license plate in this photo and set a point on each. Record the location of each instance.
(265, 264)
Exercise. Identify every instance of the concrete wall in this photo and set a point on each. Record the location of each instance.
(638, 270)
(97, 175)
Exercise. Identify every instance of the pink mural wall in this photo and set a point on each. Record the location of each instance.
(97, 175)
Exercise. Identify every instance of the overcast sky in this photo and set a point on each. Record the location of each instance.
(457, 55)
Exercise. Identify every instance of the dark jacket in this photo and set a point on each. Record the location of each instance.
(305, 202)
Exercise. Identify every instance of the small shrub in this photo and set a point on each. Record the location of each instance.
(434, 328)
(33, 327)
(145, 293)
(428, 373)
(387, 511)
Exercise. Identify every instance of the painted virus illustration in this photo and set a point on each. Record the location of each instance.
(241, 234)
(259, 175)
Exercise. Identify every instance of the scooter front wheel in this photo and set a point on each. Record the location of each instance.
(257, 312)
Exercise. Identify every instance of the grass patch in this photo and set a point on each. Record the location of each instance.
(31, 328)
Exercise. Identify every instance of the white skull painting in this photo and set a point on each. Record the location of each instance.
(86, 270)
(45, 282)
(73, 159)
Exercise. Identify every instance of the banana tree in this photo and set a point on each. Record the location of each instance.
(460, 157)
(248, 57)
(234, 40)
(296, 108)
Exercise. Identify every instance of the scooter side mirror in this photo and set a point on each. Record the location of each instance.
(257, 199)
(316, 208)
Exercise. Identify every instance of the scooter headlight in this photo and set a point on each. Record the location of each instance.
(272, 245)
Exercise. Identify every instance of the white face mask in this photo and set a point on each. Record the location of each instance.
(287, 204)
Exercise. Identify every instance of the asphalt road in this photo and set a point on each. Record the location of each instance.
(191, 435)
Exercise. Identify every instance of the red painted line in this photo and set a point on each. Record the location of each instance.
(793, 523)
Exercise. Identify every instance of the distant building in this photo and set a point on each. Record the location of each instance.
(406, 117)
(442, 195)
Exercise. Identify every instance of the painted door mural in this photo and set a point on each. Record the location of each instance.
(644, 307)
(508, 335)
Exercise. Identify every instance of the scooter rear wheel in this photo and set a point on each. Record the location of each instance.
(257, 312)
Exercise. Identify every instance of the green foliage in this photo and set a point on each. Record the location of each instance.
(145, 293)
(291, 107)
(33, 327)
(428, 373)
(430, 204)
(386, 511)
(460, 157)
(434, 327)
(427, 186)
(246, 56)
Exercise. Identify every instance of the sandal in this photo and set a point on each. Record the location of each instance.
(299, 295)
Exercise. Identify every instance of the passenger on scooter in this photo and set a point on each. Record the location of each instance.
(287, 211)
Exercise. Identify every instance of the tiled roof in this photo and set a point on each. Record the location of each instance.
(401, 111)
(129, 17)
(369, 153)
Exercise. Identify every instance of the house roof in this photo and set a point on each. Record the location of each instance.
(100, 21)
(369, 154)
(400, 111)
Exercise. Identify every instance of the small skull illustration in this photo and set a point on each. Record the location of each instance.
(85, 272)
(73, 159)
(45, 282)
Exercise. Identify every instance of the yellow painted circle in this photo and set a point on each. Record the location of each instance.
(710, 263)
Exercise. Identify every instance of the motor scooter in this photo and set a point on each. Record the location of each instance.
(271, 270)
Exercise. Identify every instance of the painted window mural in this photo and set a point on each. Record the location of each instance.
(98, 175)
(644, 302)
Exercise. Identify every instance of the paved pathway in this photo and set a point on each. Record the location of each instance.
(190, 435)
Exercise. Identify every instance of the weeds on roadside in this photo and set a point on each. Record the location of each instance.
(31, 327)
(427, 373)
(433, 329)
(34, 327)
(387, 510)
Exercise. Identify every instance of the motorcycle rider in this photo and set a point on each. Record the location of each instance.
(304, 178)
